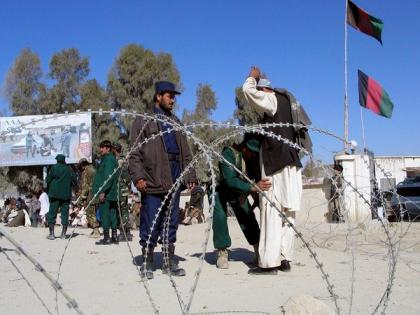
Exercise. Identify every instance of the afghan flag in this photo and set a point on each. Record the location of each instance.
(372, 96)
(362, 21)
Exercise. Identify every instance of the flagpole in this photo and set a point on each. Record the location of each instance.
(346, 104)
(363, 127)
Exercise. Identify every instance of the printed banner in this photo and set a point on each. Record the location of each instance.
(37, 139)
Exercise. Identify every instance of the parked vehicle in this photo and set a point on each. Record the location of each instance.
(405, 201)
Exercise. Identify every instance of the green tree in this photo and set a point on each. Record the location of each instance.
(132, 77)
(314, 169)
(206, 104)
(25, 179)
(5, 184)
(69, 70)
(23, 87)
(309, 169)
(24, 91)
(94, 96)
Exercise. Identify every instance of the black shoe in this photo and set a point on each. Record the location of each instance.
(105, 240)
(114, 238)
(173, 269)
(263, 271)
(146, 273)
(63, 232)
(51, 236)
(285, 266)
(170, 265)
(147, 267)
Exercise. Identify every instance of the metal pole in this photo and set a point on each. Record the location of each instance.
(363, 128)
(346, 102)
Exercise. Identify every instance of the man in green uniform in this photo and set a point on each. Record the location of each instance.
(85, 195)
(59, 180)
(234, 189)
(106, 186)
(124, 181)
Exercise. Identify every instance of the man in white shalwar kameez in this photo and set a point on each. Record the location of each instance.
(280, 163)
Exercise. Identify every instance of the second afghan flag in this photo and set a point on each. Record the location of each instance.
(373, 96)
(362, 21)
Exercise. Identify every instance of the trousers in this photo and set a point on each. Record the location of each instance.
(244, 215)
(166, 225)
(64, 210)
(108, 213)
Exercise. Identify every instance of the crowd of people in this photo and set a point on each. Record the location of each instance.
(111, 194)
(29, 211)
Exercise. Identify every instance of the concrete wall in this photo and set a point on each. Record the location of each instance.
(314, 204)
(356, 172)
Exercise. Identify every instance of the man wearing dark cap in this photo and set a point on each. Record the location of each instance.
(105, 183)
(233, 188)
(60, 180)
(154, 167)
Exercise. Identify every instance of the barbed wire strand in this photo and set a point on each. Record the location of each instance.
(387, 292)
(26, 281)
(71, 303)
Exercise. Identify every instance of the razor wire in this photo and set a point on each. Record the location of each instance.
(71, 303)
(44, 305)
(393, 251)
(312, 254)
(207, 232)
(386, 295)
(392, 260)
(70, 237)
(245, 128)
(160, 134)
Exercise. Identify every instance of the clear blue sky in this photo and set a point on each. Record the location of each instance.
(298, 44)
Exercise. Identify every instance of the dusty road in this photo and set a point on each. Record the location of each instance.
(104, 280)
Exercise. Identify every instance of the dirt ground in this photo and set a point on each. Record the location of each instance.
(104, 280)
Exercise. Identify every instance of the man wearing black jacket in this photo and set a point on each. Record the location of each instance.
(154, 167)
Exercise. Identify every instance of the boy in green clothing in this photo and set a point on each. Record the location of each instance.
(234, 189)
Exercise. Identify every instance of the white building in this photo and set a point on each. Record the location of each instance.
(359, 170)
(391, 170)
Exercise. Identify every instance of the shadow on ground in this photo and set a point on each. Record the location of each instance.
(157, 259)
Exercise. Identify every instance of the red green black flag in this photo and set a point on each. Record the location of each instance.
(362, 21)
(373, 96)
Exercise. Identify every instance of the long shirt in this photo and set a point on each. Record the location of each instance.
(263, 102)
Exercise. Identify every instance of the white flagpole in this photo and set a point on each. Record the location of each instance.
(363, 127)
(346, 102)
